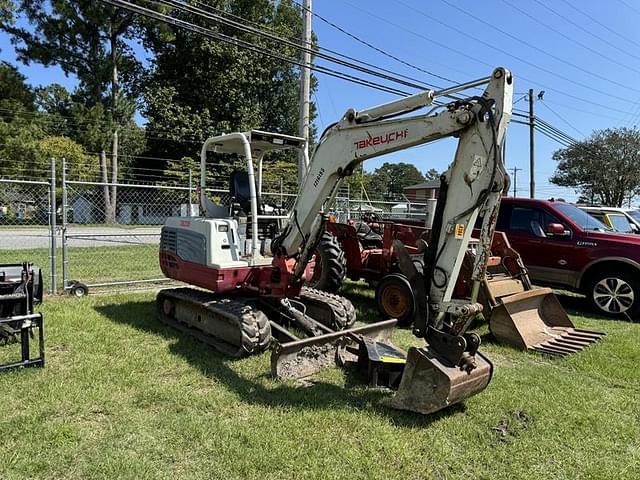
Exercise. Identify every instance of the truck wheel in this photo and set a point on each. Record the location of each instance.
(615, 293)
(394, 298)
(330, 265)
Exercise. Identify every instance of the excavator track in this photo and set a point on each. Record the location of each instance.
(331, 310)
(231, 326)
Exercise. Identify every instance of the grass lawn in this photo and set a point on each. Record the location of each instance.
(125, 397)
(98, 264)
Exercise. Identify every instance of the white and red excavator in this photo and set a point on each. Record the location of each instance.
(253, 260)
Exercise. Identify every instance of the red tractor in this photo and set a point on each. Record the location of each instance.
(518, 315)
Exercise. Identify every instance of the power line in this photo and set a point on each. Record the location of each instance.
(571, 39)
(556, 131)
(544, 52)
(527, 62)
(629, 6)
(561, 142)
(377, 49)
(585, 30)
(477, 60)
(551, 133)
(315, 48)
(247, 45)
(202, 13)
(561, 118)
(606, 27)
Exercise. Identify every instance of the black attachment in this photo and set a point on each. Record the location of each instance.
(382, 362)
(20, 290)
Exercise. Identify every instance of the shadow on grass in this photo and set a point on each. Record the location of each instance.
(578, 305)
(320, 395)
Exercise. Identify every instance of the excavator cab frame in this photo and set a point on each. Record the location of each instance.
(252, 146)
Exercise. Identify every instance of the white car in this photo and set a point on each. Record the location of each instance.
(621, 220)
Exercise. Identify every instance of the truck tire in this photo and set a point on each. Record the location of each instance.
(394, 298)
(614, 293)
(331, 265)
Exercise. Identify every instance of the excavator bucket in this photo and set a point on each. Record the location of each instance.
(535, 320)
(430, 383)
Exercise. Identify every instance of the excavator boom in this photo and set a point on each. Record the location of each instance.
(449, 368)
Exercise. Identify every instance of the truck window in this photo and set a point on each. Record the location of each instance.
(580, 217)
(528, 219)
(620, 223)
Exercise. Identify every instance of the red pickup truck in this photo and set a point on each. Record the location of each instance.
(563, 246)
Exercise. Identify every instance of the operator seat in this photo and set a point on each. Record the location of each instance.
(368, 238)
(240, 191)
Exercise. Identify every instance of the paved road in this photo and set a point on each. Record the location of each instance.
(38, 237)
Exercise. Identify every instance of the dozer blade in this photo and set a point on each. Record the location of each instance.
(430, 383)
(535, 320)
(302, 358)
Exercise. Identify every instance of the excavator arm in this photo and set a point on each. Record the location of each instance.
(472, 185)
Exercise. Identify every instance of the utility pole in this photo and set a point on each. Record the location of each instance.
(515, 180)
(532, 151)
(305, 85)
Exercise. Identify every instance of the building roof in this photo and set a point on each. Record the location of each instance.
(424, 185)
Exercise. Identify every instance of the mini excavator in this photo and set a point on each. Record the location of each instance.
(251, 261)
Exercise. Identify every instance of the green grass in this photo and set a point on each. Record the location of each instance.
(125, 397)
(98, 264)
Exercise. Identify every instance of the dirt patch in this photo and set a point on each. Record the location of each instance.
(307, 361)
(511, 426)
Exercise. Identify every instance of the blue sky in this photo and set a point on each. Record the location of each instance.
(588, 64)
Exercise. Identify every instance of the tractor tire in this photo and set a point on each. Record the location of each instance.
(394, 298)
(331, 265)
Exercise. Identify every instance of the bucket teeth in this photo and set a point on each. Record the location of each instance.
(535, 320)
(567, 342)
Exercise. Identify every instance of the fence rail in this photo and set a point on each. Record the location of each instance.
(106, 235)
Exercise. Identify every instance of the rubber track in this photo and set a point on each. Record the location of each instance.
(252, 323)
(344, 313)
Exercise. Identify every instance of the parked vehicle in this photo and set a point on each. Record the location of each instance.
(617, 219)
(563, 246)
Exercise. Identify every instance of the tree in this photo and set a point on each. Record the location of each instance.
(432, 174)
(14, 90)
(605, 167)
(359, 184)
(201, 87)
(390, 180)
(90, 40)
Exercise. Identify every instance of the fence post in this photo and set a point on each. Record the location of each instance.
(190, 212)
(52, 222)
(65, 258)
(348, 202)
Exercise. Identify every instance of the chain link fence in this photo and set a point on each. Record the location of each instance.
(28, 225)
(104, 235)
(111, 232)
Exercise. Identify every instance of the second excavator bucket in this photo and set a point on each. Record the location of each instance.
(535, 320)
(429, 383)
